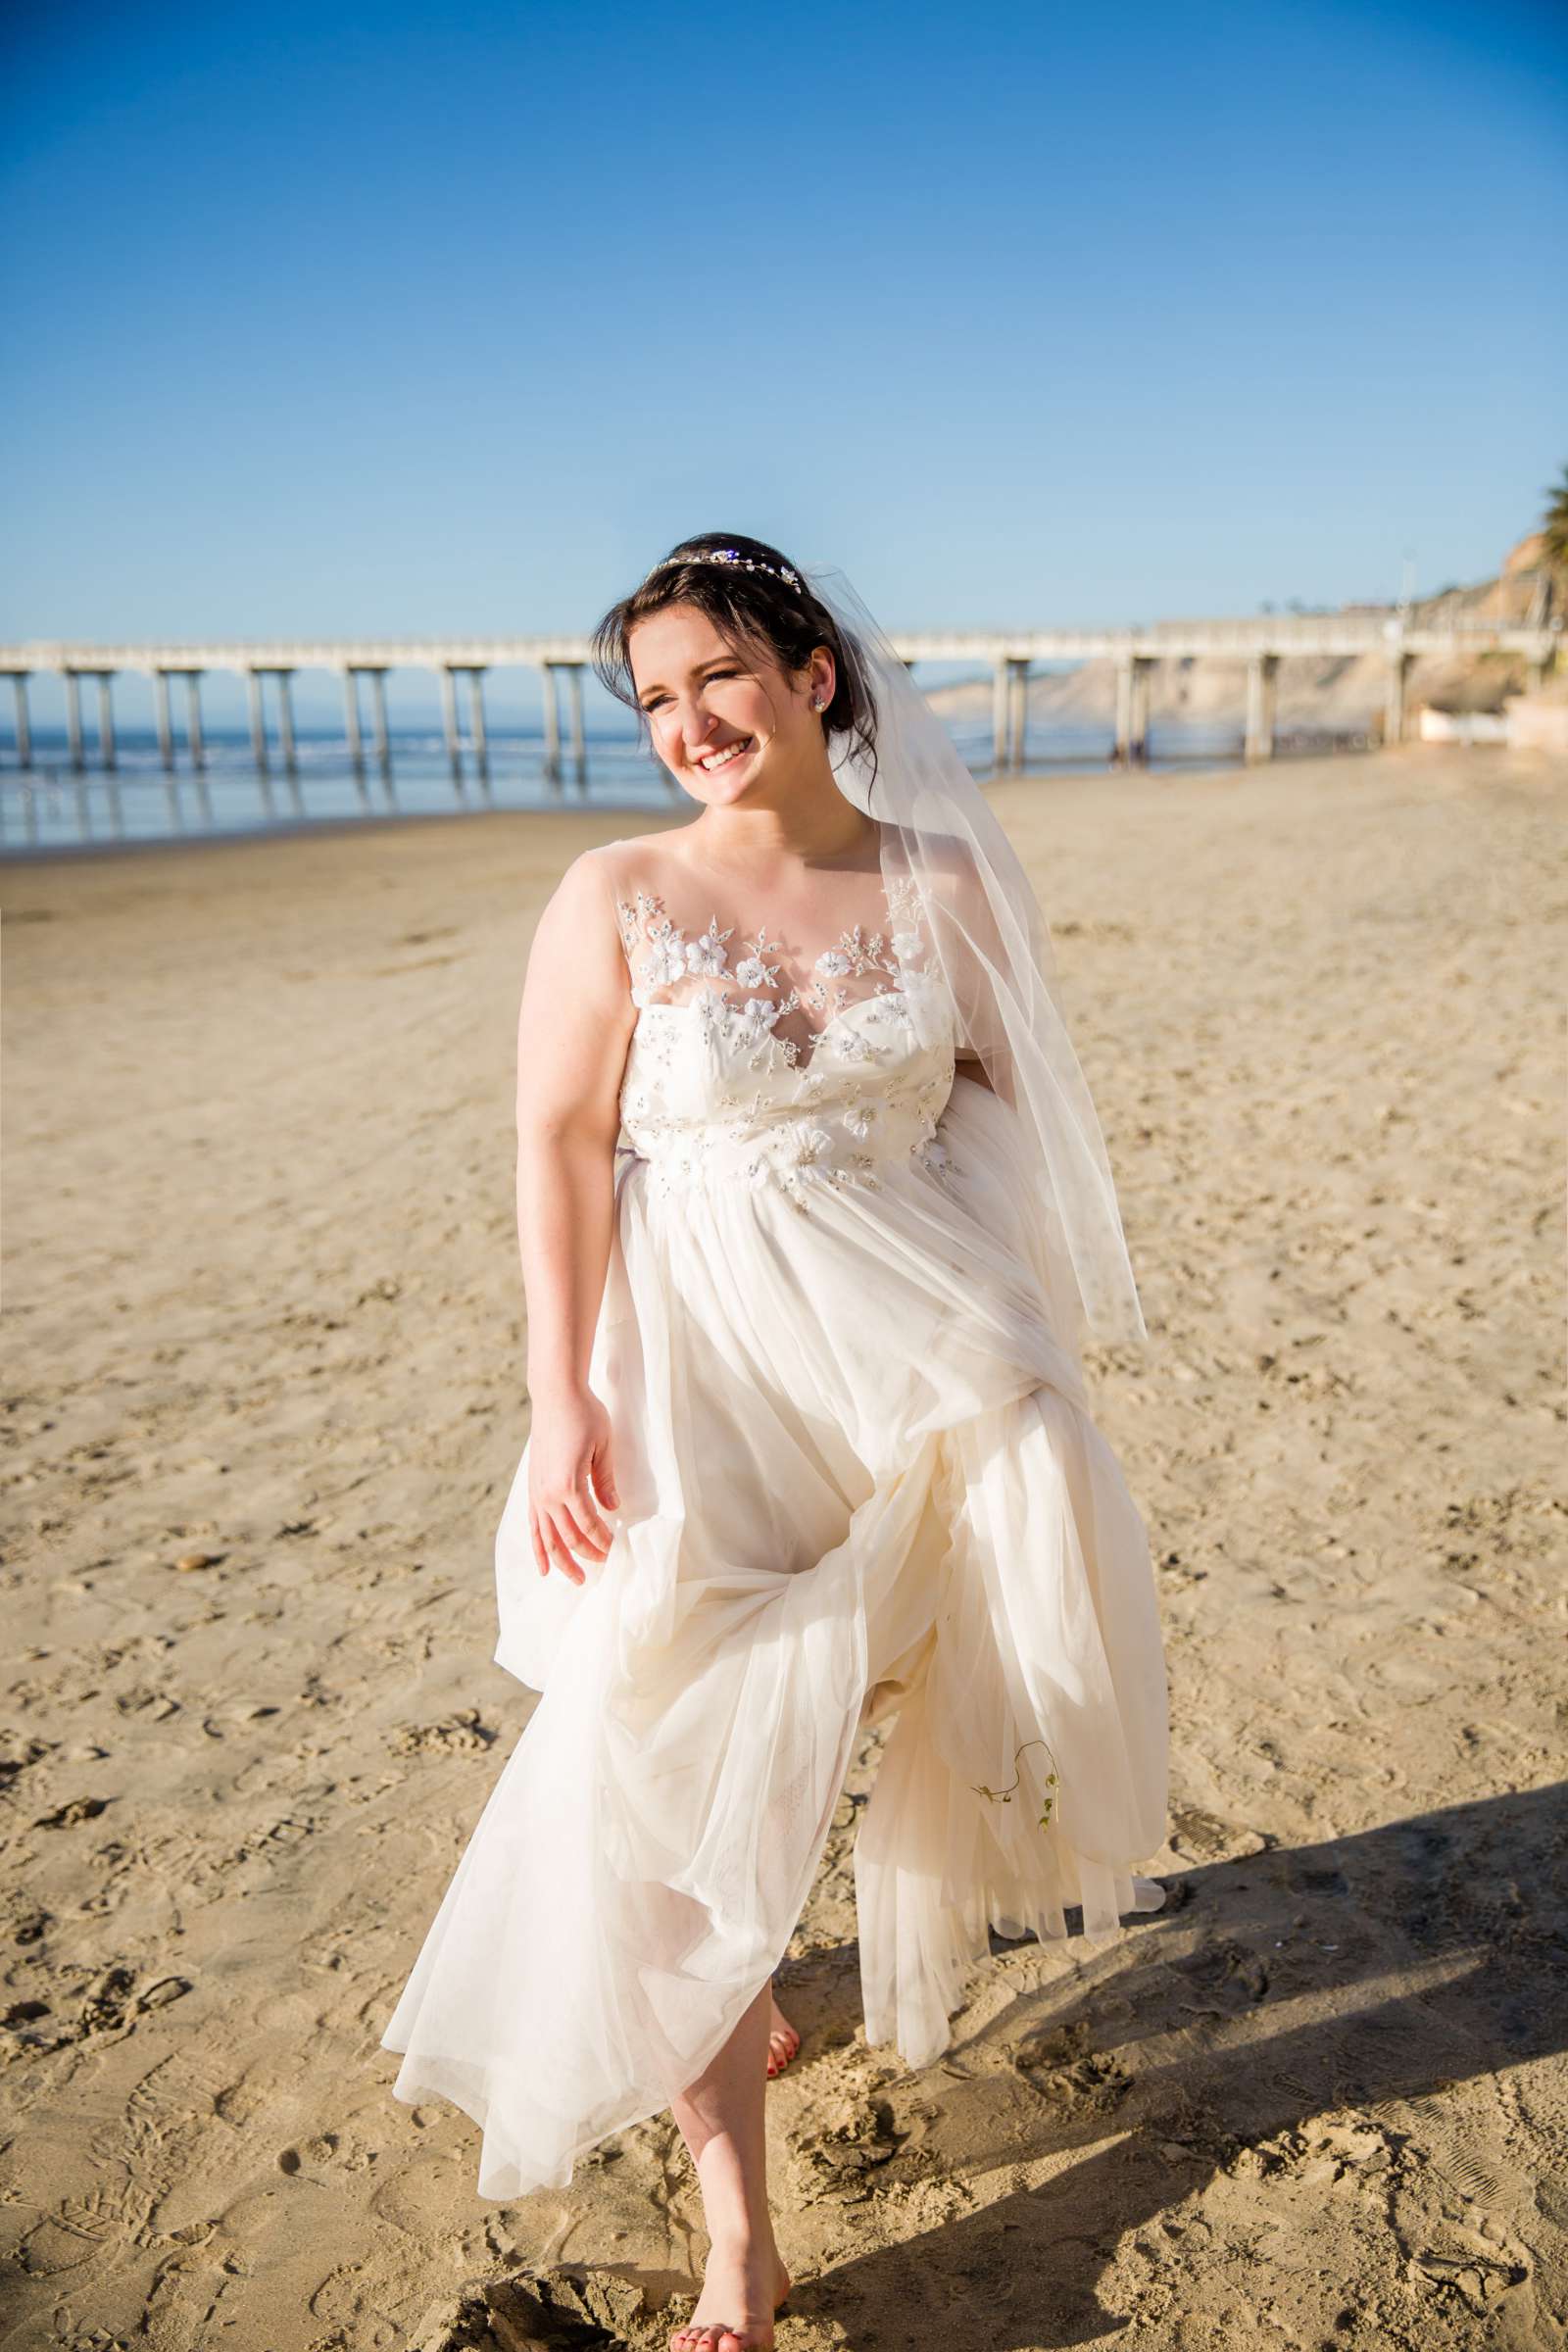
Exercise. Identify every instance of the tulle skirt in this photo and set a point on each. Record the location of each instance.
(858, 1482)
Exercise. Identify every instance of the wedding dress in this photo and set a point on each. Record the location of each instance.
(859, 1480)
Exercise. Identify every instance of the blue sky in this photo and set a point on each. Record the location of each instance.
(336, 321)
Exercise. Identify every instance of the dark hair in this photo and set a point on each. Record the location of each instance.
(755, 607)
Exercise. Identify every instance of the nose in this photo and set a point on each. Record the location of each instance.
(696, 729)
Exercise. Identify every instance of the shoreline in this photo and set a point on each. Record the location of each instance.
(1070, 770)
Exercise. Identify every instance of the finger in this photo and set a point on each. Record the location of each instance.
(564, 1565)
(597, 1531)
(577, 1534)
(538, 1548)
(605, 1486)
(560, 1555)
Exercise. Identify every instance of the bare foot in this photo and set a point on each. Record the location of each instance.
(736, 2287)
(782, 2040)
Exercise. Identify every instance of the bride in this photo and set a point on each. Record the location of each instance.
(812, 1204)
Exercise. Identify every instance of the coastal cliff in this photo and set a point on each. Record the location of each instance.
(1338, 693)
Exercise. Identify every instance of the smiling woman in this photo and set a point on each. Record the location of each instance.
(810, 1442)
(706, 677)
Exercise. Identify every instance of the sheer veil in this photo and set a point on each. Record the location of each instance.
(997, 962)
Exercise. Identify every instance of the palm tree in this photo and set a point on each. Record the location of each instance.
(1554, 524)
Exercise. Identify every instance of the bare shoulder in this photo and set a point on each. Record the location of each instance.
(645, 867)
(632, 851)
(576, 1012)
(595, 867)
(576, 942)
(588, 887)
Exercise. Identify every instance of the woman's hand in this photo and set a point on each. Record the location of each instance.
(569, 1466)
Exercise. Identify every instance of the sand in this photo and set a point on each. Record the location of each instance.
(264, 1396)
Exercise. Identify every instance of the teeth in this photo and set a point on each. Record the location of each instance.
(731, 751)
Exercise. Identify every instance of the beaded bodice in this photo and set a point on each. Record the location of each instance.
(730, 1075)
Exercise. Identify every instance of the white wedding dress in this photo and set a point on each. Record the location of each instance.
(857, 1475)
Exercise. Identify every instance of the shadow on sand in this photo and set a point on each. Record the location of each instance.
(1373, 1973)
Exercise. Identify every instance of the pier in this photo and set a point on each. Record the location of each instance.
(1010, 655)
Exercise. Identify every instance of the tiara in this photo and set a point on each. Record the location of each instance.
(733, 556)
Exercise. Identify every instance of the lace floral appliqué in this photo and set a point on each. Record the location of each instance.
(864, 1094)
(664, 957)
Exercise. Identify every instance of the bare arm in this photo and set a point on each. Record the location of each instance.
(572, 1029)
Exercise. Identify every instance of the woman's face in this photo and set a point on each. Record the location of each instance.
(729, 725)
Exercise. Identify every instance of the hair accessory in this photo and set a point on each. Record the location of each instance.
(732, 555)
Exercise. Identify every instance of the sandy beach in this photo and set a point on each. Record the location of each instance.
(264, 1398)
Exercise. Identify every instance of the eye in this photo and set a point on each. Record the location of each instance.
(712, 675)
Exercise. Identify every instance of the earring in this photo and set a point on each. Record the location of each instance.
(817, 702)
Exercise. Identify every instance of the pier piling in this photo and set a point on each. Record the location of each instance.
(351, 717)
(1396, 694)
(449, 718)
(193, 722)
(1132, 709)
(285, 719)
(552, 718)
(73, 720)
(383, 741)
(253, 683)
(579, 743)
(1017, 713)
(1262, 672)
(476, 728)
(105, 721)
(165, 731)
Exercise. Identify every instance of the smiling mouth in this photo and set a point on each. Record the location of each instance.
(723, 758)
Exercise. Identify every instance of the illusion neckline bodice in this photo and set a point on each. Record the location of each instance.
(664, 955)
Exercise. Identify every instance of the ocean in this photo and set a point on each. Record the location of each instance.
(49, 808)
